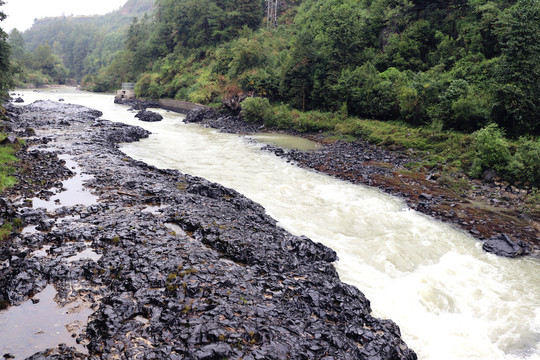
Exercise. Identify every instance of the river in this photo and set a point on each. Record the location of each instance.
(450, 299)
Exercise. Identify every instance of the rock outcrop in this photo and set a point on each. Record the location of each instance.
(148, 116)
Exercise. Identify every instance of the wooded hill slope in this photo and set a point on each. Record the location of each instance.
(56, 49)
(457, 65)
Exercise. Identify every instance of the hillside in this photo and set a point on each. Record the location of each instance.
(463, 67)
(85, 44)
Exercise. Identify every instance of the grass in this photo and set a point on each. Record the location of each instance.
(7, 160)
(5, 230)
(9, 227)
(449, 151)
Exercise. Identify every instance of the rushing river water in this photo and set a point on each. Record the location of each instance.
(450, 299)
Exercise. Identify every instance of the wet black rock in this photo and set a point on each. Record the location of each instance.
(200, 114)
(503, 245)
(138, 104)
(19, 100)
(214, 119)
(148, 116)
(61, 352)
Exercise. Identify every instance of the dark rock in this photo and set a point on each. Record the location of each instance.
(11, 140)
(503, 245)
(200, 114)
(19, 100)
(233, 102)
(489, 175)
(214, 119)
(61, 352)
(148, 116)
(138, 104)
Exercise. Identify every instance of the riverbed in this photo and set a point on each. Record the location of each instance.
(450, 299)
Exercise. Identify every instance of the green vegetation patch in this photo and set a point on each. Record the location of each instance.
(7, 160)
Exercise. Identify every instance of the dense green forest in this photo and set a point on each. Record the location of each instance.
(62, 50)
(460, 66)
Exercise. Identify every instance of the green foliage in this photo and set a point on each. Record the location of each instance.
(514, 161)
(199, 23)
(256, 110)
(518, 79)
(85, 45)
(492, 150)
(461, 107)
(7, 159)
(6, 74)
(525, 164)
(369, 93)
(148, 86)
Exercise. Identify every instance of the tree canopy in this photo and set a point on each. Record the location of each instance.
(6, 81)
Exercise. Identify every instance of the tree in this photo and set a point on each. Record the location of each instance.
(49, 63)
(517, 103)
(16, 41)
(6, 75)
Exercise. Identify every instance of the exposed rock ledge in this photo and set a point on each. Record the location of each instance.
(203, 274)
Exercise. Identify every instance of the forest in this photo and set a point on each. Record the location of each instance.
(458, 80)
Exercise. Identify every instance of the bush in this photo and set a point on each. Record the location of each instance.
(525, 164)
(257, 109)
(492, 151)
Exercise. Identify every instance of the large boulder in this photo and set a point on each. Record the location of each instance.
(148, 116)
(503, 245)
(10, 140)
(199, 114)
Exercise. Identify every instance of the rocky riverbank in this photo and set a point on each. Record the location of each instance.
(493, 212)
(170, 266)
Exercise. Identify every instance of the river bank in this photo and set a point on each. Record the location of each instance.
(169, 265)
(493, 212)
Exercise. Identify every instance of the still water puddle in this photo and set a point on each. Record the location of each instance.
(286, 141)
(85, 254)
(154, 209)
(29, 230)
(43, 252)
(73, 192)
(177, 230)
(30, 328)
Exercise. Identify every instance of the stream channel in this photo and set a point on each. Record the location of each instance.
(450, 299)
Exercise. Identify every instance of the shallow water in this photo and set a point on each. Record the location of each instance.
(285, 141)
(85, 254)
(73, 192)
(30, 328)
(451, 299)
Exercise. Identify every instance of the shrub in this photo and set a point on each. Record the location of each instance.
(525, 164)
(257, 109)
(492, 150)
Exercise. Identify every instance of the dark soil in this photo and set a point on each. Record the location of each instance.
(188, 270)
